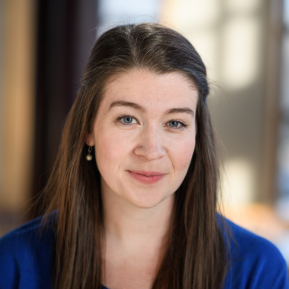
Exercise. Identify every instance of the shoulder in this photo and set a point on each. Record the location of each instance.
(254, 262)
(24, 253)
(27, 236)
(244, 241)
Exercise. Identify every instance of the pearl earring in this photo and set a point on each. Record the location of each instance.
(89, 156)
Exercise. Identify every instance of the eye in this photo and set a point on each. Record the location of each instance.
(177, 124)
(126, 119)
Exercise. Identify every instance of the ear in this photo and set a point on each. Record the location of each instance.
(89, 139)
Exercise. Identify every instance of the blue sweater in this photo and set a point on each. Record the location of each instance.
(25, 256)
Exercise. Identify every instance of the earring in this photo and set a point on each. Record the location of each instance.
(89, 156)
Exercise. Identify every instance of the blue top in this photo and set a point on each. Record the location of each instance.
(25, 256)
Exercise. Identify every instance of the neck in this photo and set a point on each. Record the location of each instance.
(129, 225)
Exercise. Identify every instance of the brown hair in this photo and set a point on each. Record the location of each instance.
(196, 255)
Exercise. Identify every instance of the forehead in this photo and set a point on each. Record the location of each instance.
(151, 90)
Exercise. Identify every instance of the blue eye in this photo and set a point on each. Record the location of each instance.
(177, 124)
(174, 123)
(126, 119)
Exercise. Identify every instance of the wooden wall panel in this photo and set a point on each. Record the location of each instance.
(17, 101)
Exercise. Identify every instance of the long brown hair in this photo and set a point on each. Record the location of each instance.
(196, 255)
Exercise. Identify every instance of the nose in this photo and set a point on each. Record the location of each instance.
(150, 145)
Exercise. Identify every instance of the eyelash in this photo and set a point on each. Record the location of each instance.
(184, 125)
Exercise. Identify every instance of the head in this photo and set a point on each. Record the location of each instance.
(141, 82)
(157, 69)
(145, 125)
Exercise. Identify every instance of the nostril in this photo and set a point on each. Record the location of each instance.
(150, 152)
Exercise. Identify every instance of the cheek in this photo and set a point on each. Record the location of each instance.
(182, 154)
(110, 149)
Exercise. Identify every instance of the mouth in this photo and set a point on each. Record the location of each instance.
(147, 177)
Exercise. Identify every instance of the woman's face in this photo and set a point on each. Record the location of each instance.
(144, 136)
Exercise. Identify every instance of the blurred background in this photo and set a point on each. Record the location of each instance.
(44, 46)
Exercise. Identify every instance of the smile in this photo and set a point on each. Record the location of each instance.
(146, 177)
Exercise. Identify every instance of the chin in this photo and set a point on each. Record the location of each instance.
(147, 200)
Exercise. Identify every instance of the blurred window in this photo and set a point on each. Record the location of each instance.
(115, 12)
(283, 146)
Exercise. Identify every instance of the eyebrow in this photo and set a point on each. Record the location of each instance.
(128, 104)
(138, 107)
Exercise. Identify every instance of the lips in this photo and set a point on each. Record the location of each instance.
(147, 177)
(147, 174)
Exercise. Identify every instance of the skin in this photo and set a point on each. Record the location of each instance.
(148, 138)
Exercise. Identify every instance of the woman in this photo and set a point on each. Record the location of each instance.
(131, 202)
